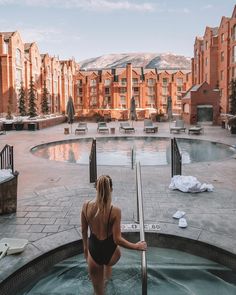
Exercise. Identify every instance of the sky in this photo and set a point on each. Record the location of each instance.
(89, 28)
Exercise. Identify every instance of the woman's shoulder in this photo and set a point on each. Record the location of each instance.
(115, 209)
(87, 203)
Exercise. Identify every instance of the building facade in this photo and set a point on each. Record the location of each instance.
(113, 89)
(19, 62)
(214, 59)
(92, 91)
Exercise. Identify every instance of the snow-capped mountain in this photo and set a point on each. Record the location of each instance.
(167, 61)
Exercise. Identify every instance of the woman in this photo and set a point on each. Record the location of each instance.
(101, 249)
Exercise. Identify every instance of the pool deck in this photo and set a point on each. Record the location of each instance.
(50, 194)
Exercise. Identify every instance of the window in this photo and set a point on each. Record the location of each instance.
(164, 90)
(80, 82)
(123, 81)
(151, 90)
(93, 82)
(222, 38)
(179, 81)
(5, 48)
(107, 82)
(234, 54)
(150, 82)
(221, 75)
(123, 90)
(107, 90)
(234, 33)
(55, 87)
(164, 81)
(206, 45)
(18, 78)
(151, 99)
(123, 101)
(136, 89)
(222, 55)
(18, 57)
(135, 81)
(179, 88)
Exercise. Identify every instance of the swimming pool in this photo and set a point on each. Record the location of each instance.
(169, 272)
(118, 150)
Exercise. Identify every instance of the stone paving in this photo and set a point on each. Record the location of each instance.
(50, 194)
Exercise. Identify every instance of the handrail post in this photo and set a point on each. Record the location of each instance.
(176, 158)
(141, 222)
(93, 162)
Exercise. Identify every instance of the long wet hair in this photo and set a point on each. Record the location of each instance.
(104, 190)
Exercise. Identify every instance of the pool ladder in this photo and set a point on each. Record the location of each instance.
(140, 220)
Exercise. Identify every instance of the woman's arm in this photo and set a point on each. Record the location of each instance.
(84, 228)
(119, 240)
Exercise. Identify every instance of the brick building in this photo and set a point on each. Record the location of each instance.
(215, 58)
(108, 91)
(19, 62)
(111, 90)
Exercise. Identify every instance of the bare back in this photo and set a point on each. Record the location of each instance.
(100, 224)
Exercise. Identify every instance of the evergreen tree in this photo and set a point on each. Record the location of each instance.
(232, 97)
(32, 112)
(22, 98)
(44, 102)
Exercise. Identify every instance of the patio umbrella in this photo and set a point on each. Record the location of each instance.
(70, 110)
(133, 115)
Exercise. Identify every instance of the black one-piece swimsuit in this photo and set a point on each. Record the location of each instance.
(101, 250)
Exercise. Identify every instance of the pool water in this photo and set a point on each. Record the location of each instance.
(118, 151)
(169, 272)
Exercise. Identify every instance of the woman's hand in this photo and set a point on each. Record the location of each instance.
(141, 246)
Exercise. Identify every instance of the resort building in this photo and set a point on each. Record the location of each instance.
(214, 59)
(19, 62)
(111, 90)
(93, 92)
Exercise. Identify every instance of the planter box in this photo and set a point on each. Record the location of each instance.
(7, 126)
(233, 129)
(19, 126)
(8, 195)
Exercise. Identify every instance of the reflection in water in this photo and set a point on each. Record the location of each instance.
(118, 151)
(169, 272)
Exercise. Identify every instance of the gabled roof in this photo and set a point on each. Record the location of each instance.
(7, 35)
(192, 89)
(27, 46)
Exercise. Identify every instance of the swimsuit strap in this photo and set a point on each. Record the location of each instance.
(108, 221)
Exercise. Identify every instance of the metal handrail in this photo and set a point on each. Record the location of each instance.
(141, 223)
(7, 158)
(176, 158)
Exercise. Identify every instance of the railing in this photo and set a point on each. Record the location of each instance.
(132, 157)
(140, 218)
(6, 158)
(176, 158)
(93, 162)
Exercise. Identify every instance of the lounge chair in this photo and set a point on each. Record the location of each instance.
(149, 127)
(125, 126)
(102, 127)
(82, 127)
(179, 127)
(197, 129)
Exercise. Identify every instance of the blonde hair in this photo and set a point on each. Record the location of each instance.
(104, 190)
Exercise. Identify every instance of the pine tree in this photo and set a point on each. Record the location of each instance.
(232, 97)
(22, 98)
(44, 102)
(32, 112)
